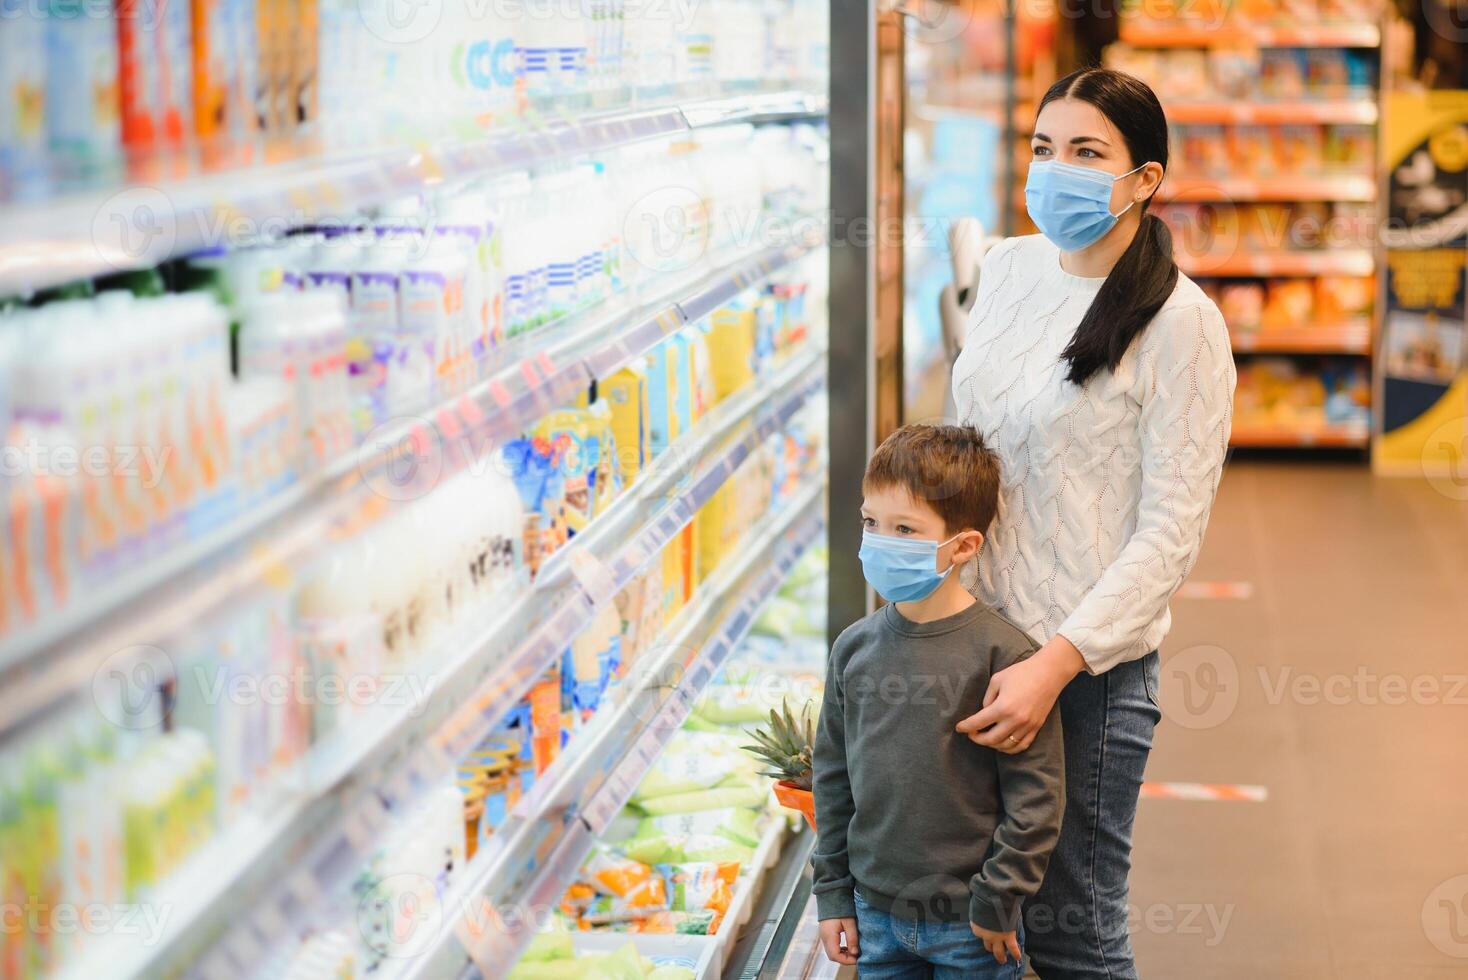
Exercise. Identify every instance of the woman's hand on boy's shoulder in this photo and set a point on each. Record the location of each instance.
(1021, 696)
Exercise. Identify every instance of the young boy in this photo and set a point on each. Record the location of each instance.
(927, 842)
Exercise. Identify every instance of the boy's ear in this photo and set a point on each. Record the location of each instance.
(968, 547)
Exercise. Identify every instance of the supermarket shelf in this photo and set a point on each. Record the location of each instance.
(1326, 437)
(529, 862)
(135, 226)
(779, 107)
(59, 656)
(1324, 188)
(306, 845)
(1339, 262)
(1181, 34)
(1352, 337)
(1320, 111)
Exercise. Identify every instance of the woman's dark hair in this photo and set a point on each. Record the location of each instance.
(1145, 275)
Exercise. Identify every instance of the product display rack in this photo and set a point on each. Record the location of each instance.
(269, 873)
(542, 852)
(1304, 376)
(541, 372)
(325, 809)
(135, 226)
(1159, 34)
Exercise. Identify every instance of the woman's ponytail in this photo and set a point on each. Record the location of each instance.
(1140, 282)
(1144, 277)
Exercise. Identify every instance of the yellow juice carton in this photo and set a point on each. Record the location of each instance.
(662, 398)
(731, 341)
(625, 394)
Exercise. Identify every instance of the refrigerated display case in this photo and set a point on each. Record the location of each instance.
(451, 409)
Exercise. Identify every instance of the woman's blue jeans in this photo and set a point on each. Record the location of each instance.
(1076, 926)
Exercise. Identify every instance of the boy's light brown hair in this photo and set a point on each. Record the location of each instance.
(948, 467)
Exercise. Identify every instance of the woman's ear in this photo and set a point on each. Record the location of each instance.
(1149, 178)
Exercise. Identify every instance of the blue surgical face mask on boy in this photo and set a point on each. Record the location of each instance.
(902, 569)
(1071, 205)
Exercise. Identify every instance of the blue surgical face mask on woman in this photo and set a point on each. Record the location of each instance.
(902, 569)
(1071, 205)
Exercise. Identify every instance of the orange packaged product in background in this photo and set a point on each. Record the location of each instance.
(1288, 303)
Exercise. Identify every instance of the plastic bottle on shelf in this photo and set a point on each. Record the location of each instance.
(490, 61)
(535, 45)
(271, 348)
(512, 198)
(467, 221)
(572, 33)
(374, 324)
(432, 321)
(83, 117)
(649, 49)
(323, 324)
(557, 233)
(22, 101)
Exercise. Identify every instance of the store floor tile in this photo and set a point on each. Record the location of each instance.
(1347, 870)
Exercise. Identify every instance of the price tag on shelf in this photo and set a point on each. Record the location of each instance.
(594, 576)
(546, 365)
(469, 411)
(527, 371)
(499, 393)
(448, 424)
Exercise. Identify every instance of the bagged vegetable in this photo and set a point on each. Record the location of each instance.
(701, 886)
(693, 761)
(676, 848)
(735, 795)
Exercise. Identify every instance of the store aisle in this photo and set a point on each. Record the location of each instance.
(1345, 870)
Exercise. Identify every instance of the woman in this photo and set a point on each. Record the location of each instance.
(1104, 380)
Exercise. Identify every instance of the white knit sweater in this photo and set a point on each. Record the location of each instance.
(1106, 487)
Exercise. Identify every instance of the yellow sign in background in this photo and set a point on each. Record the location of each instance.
(1435, 443)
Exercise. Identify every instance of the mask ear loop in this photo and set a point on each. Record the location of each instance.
(1119, 177)
(944, 544)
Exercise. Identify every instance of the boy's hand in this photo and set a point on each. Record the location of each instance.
(839, 950)
(998, 943)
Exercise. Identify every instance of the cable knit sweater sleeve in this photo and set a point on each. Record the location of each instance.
(1184, 384)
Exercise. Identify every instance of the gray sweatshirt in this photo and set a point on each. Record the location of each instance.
(923, 821)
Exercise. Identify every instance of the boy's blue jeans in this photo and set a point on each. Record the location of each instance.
(892, 947)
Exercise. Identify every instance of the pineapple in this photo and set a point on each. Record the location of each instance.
(786, 746)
